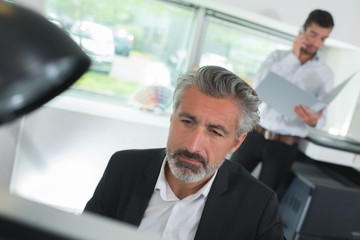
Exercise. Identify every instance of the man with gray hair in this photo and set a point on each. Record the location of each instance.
(188, 190)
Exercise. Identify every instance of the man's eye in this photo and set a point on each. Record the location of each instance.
(186, 122)
(216, 133)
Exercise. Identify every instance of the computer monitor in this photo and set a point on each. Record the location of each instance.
(24, 219)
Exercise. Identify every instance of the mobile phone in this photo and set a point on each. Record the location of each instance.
(301, 30)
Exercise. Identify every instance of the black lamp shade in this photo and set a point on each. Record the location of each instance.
(38, 61)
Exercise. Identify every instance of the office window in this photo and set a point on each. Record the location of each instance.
(137, 44)
(133, 44)
(238, 47)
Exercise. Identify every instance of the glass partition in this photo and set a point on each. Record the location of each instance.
(238, 48)
(133, 45)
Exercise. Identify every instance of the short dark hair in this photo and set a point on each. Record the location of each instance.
(320, 17)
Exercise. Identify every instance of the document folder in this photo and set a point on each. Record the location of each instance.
(283, 95)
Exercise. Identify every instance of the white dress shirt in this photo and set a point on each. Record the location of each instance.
(314, 77)
(172, 218)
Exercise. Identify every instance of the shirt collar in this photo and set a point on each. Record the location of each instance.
(316, 56)
(167, 194)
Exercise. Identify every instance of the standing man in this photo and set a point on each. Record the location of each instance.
(188, 190)
(274, 140)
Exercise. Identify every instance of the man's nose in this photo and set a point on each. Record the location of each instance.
(317, 42)
(196, 141)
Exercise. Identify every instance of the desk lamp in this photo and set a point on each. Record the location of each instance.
(38, 61)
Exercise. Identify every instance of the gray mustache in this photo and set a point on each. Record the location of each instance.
(187, 154)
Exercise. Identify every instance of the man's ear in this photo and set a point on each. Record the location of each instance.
(237, 143)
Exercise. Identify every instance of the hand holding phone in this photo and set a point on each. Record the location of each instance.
(301, 31)
(298, 42)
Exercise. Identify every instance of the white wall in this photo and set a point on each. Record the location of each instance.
(292, 14)
(8, 143)
(354, 129)
(342, 109)
(64, 152)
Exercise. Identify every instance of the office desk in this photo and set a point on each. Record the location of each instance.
(24, 219)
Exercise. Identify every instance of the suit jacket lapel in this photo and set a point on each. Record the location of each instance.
(143, 190)
(213, 216)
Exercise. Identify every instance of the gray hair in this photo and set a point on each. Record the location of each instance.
(218, 82)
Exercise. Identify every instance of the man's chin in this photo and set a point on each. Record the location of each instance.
(311, 51)
(187, 175)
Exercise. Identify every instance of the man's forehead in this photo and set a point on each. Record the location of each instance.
(319, 29)
(215, 110)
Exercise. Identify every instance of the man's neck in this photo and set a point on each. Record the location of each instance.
(183, 189)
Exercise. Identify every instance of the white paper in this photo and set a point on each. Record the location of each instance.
(283, 95)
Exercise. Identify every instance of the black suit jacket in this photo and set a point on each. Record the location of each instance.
(238, 205)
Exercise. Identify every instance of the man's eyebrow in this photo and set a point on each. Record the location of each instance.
(220, 127)
(313, 32)
(215, 126)
(188, 115)
(316, 34)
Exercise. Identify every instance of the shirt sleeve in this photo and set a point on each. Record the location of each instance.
(284, 66)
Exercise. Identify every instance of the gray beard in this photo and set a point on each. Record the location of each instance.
(188, 172)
